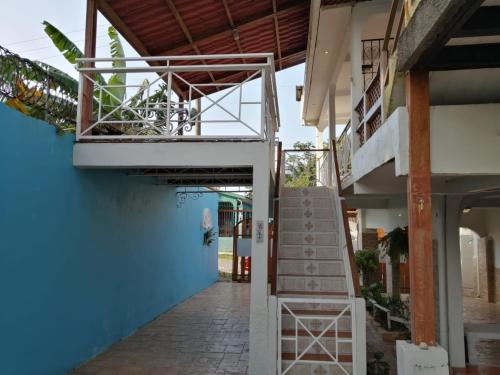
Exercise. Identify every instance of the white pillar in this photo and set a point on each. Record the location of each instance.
(439, 235)
(358, 19)
(319, 145)
(456, 348)
(332, 122)
(259, 350)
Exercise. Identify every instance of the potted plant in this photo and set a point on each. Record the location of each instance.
(395, 245)
(367, 262)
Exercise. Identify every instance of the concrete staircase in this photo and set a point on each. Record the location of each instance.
(311, 265)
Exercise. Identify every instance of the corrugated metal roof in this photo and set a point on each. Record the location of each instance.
(155, 26)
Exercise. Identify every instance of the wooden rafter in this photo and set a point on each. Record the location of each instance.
(186, 32)
(292, 6)
(104, 7)
(277, 31)
(301, 54)
(235, 30)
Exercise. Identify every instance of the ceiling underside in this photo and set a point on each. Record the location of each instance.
(203, 27)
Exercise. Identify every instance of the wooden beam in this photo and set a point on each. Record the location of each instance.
(476, 56)
(432, 25)
(484, 22)
(89, 52)
(252, 21)
(234, 77)
(277, 32)
(422, 305)
(236, 36)
(186, 32)
(115, 20)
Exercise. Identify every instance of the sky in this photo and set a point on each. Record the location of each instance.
(22, 32)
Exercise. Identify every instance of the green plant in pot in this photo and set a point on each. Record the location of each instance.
(395, 245)
(367, 262)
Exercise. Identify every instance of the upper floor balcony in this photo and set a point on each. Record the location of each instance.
(463, 87)
(167, 98)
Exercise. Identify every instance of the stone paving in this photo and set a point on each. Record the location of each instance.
(207, 334)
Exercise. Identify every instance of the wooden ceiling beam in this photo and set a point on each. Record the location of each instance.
(484, 22)
(277, 31)
(115, 20)
(186, 32)
(473, 56)
(236, 36)
(255, 20)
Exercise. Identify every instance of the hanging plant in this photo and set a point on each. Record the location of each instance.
(208, 237)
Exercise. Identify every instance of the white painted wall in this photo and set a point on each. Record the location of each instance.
(387, 219)
(465, 139)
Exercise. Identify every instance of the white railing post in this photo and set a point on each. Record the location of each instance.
(79, 107)
(263, 104)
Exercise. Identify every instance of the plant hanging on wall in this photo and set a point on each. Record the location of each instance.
(208, 237)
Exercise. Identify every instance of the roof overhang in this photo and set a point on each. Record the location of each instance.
(186, 27)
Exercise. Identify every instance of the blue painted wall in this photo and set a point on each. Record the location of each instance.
(86, 257)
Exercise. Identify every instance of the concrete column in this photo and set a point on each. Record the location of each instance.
(259, 336)
(456, 347)
(439, 238)
(358, 19)
(332, 123)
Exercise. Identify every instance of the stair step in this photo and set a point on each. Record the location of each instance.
(309, 252)
(317, 191)
(311, 267)
(307, 213)
(308, 225)
(307, 202)
(306, 238)
(312, 284)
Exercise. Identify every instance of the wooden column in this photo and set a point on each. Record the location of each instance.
(89, 51)
(419, 210)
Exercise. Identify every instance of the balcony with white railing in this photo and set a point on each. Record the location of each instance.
(158, 98)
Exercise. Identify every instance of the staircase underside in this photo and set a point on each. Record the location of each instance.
(209, 176)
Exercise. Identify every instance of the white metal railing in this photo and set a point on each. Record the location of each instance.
(149, 108)
(344, 150)
(332, 357)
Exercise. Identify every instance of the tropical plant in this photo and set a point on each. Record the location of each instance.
(367, 262)
(300, 167)
(395, 245)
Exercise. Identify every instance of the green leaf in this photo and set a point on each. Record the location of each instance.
(116, 51)
(70, 51)
(66, 81)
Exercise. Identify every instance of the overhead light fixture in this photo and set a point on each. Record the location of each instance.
(466, 210)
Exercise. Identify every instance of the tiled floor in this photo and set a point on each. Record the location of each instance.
(207, 334)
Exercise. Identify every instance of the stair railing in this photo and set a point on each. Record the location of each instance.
(276, 207)
(343, 208)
